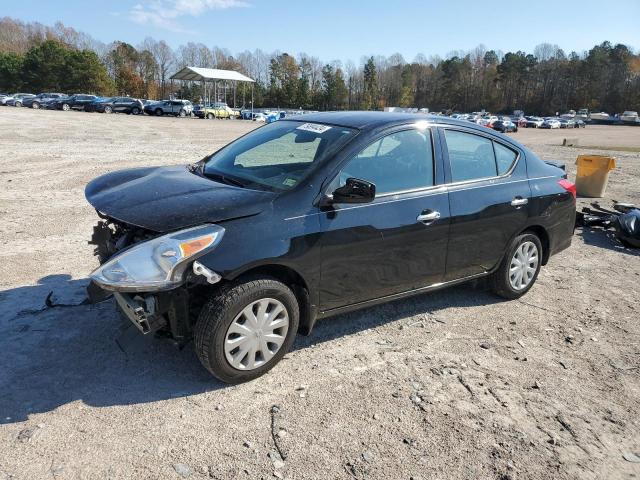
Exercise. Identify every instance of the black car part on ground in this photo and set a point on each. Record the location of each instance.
(625, 220)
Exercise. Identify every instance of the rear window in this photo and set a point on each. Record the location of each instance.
(473, 157)
(470, 156)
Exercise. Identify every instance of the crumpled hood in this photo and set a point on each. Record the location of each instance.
(169, 198)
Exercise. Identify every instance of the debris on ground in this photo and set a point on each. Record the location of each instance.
(624, 219)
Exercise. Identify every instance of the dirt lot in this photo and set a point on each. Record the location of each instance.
(454, 384)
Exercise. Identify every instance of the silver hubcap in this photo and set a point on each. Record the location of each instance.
(523, 265)
(256, 334)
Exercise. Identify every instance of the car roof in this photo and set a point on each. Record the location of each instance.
(371, 120)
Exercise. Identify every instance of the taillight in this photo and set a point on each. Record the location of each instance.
(568, 186)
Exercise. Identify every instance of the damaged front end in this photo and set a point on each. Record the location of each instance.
(154, 277)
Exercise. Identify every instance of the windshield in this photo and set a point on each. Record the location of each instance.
(277, 156)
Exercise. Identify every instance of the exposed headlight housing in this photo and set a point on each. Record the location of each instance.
(157, 264)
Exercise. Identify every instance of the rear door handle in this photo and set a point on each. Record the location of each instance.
(427, 218)
(518, 201)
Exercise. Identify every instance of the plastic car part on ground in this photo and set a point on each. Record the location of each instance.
(625, 220)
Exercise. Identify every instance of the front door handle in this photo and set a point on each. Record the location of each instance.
(519, 201)
(427, 218)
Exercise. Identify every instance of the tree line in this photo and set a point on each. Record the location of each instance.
(35, 57)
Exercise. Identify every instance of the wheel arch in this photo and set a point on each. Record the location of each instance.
(540, 232)
(298, 285)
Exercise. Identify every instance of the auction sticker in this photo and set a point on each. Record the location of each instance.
(314, 127)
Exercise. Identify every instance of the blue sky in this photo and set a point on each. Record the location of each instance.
(347, 29)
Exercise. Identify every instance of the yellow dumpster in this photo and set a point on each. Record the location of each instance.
(593, 174)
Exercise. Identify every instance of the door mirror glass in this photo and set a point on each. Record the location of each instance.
(355, 191)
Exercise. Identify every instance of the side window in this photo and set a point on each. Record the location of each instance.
(504, 158)
(397, 162)
(470, 156)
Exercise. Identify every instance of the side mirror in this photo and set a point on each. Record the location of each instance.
(355, 191)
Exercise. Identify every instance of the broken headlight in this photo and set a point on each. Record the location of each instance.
(157, 264)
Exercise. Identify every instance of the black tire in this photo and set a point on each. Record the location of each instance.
(500, 279)
(18, 104)
(220, 311)
(158, 112)
(209, 116)
(108, 109)
(135, 111)
(182, 113)
(66, 107)
(35, 105)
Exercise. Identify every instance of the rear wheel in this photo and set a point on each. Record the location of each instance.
(246, 328)
(183, 113)
(519, 268)
(108, 109)
(210, 116)
(158, 112)
(35, 105)
(135, 111)
(66, 107)
(18, 104)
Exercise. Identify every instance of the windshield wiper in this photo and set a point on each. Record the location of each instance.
(222, 178)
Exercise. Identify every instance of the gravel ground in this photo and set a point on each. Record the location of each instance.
(454, 384)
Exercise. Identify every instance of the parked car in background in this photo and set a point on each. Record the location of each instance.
(215, 111)
(73, 102)
(91, 106)
(551, 123)
(37, 101)
(3, 98)
(17, 99)
(117, 105)
(520, 122)
(630, 118)
(325, 214)
(534, 122)
(179, 108)
(504, 126)
(579, 123)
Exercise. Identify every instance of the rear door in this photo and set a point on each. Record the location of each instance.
(399, 241)
(488, 197)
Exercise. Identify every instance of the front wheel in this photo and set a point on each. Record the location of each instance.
(35, 105)
(135, 111)
(519, 268)
(18, 104)
(182, 113)
(66, 107)
(210, 116)
(246, 328)
(108, 109)
(158, 112)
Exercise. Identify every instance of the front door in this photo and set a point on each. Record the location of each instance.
(399, 241)
(488, 195)
(119, 105)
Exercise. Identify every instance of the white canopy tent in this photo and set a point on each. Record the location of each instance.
(213, 75)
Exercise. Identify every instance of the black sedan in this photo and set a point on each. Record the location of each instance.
(73, 102)
(504, 126)
(319, 215)
(116, 105)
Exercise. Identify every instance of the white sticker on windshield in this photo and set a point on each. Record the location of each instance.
(314, 127)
